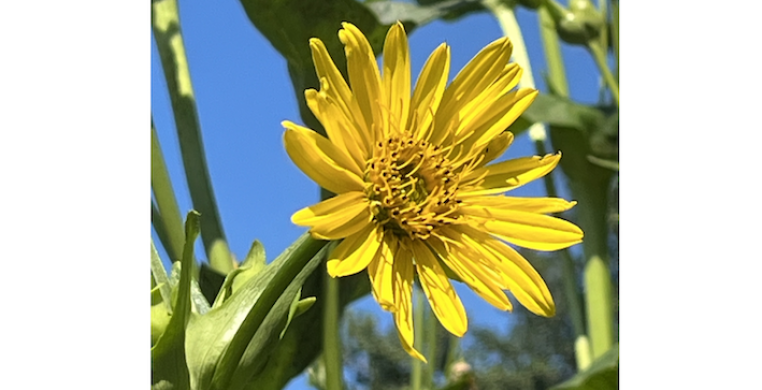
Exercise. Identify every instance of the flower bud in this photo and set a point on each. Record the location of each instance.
(580, 24)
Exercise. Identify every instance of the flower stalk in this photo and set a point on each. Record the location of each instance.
(331, 340)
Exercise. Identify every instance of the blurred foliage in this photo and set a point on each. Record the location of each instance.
(526, 352)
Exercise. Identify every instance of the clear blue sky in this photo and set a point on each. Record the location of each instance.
(243, 92)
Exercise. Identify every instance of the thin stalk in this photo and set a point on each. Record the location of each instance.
(615, 35)
(416, 376)
(165, 23)
(603, 37)
(430, 324)
(331, 341)
(593, 196)
(557, 83)
(599, 55)
(172, 237)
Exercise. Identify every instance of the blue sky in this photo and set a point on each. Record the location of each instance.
(243, 92)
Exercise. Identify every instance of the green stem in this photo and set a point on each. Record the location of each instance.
(615, 35)
(165, 21)
(430, 324)
(557, 83)
(593, 198)
(599, 54)
(172, 237)
(416, 371)
(331, 340)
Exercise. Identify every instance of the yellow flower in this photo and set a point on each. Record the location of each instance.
(414, 193)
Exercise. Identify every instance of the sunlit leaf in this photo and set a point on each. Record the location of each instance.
(168, 355)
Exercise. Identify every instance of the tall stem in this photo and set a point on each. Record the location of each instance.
(165, 23)
(331, 340)
(416, 371)
(599, 55)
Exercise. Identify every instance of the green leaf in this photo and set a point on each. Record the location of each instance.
(603, 374)
(413, 15)
(228, 344)
(456, 9)
(297, 308)
(251, 266)
(168, 355)
(311, 19)
(561, 112)
(160, 276)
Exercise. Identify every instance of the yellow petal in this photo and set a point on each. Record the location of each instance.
(530, 205)
(397, 76)
(428, 90)
(442, 297)
(403, 291)
(336, 218)
(518, 275)
(495, 118)
(380, 273)
(332, 84)
(496, 147)
(507, 175)
(364, 77)
(476, 76)
(528, 230)
(355, 252)
(326, 70)
(523, 280)
(341, 130)
(482, 280)
(321, 160)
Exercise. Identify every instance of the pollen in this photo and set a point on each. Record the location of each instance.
(412, 186)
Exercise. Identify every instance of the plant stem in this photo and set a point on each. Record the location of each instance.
(418, 307)
(593, 198)
(557, 83)
(165, 22)
(166, 203)
(599, 54)
(615, 35)
(431, 349)
(331, 340)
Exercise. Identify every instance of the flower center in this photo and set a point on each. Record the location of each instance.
(412, 186)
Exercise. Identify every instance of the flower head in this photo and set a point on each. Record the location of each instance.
(414, 191)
